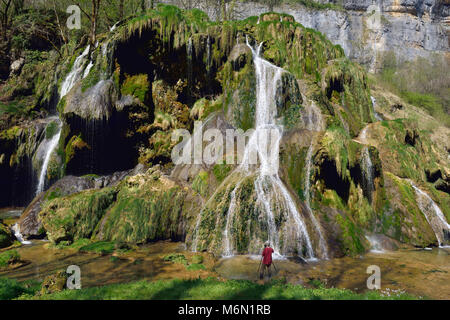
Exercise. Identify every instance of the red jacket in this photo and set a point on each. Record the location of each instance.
(267, 254)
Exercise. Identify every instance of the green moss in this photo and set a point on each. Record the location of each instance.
(196, 267)
(102, 247)
(145, 213)
(76, 216)
(74, 145)
(51, 129)
(221, 171)
(5, 236)
(200, 183)
(176, 258)
(137, 86)
(9, 257)
(351, 237)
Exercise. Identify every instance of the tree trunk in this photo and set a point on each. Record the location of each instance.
(121, 10)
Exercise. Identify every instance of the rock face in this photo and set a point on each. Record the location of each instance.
(410, 28)
(29, 223)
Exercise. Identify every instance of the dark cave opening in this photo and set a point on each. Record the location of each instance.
(333, 181)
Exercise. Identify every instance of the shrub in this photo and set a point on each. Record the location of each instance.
(9, 257)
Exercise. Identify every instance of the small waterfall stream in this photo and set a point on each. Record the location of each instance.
(49, 145)
(434, 216)
(18, 235)
(367, 172)
(376, 114)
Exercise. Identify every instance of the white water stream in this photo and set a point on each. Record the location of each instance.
(434, 216)
(272, 194)
(49, 145)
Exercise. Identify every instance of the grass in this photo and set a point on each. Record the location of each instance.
(11, 289)
(423, 83)
(212, 289)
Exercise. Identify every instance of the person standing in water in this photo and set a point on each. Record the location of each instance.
(266, 260)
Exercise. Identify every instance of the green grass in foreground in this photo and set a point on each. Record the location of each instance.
(11, 289)
(212, 289)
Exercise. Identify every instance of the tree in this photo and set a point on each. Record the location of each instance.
(93, 18)
(4, 16)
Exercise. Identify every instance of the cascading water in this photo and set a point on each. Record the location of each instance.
(49, 145)
(271, 193)
(434, 216)
(375, 245)
(374, 102)
(18, 235)
(322, 242)
(367, 172)
(75, 74)
(228, 246)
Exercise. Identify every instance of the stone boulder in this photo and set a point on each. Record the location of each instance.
(6, 237)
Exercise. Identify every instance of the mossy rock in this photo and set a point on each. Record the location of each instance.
(176, 258)
(54, 283)
(8, 258)
(6, 237)
(137, 86)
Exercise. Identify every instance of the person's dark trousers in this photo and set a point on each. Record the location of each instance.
(269, 272)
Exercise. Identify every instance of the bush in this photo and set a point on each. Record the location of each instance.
(9, 257)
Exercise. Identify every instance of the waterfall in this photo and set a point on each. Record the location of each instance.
(322, 242)
(376, 114)
(313, 119)
(375, 245)
(367, 172)
(18, 235)
(88, 69)
(228, 246)
(271, 193)
(49, 145)
(434, 216)
(75, 74)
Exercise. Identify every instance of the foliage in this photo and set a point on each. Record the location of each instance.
(12, 289)
(422, 82)
(212, 289)
(9, 257)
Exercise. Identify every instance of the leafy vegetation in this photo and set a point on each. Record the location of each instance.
(12, 289)
(9, 257)
(210, 289)
(424, 83)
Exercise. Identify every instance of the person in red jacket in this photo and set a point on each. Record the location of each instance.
(266, 260)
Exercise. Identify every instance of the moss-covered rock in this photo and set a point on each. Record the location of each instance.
(6, 237)
(75, 217)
